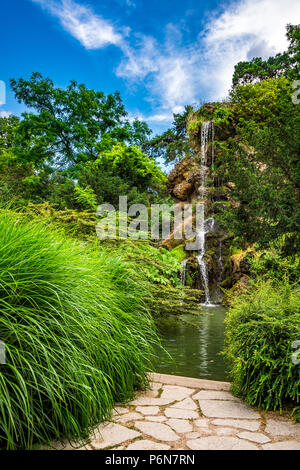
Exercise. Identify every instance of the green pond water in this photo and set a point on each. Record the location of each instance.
(194, 343)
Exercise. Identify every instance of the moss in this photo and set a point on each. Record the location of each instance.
(179, 253)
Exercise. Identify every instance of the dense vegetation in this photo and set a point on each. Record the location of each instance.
(77, 332)
(75, 312)
(261, 327)
(76, 142)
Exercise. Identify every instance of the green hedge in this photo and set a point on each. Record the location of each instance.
(261, 326)
(78, 336)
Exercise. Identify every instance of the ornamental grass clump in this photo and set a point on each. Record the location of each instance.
(77, 334)
(262, 334)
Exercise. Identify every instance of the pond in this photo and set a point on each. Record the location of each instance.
(194, 343)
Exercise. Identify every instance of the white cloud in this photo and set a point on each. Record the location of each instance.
(91, 30)
(153, 118)
(173, 73)
(165, 72)
(177, 75)
(243, 30)
(5, 114)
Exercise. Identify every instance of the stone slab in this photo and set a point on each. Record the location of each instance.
(237, 423)
(181, 426)
(158, 419)
(119, 410)
(124, 418)
(227, 409)
(214, 395)
(111, 434)
(186, 404)
(219, 443)
(225, 431)
(283, 445)
(257, 437)
(190, 382)
(176, 393)
(278, 427)
(148, 410)
(159, 431)
(149, 401)
(202, 423)
(193, 435)
(181, 414)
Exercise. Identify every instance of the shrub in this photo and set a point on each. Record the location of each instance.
(261, 326)
(279, 261)
(78, 336)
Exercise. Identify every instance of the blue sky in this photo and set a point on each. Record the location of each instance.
(159, 54)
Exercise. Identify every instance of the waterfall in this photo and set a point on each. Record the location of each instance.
(183, 272)
(202, 265)
(207, 133)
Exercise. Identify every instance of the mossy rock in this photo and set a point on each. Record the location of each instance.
(179, 253)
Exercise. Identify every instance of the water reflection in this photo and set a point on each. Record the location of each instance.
(194, 344)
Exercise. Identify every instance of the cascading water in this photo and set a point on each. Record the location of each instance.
(207, 134)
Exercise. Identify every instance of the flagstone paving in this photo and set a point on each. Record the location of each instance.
(183, 413)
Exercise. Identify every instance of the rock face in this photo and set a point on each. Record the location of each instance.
(183, 185)
(180, 185)
(183, 190)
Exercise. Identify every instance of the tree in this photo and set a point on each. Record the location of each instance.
(21, 179)
(61, 142)
(123, 170)
(72, 126)
(263, 161)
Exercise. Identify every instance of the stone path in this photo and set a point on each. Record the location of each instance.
(182, 413)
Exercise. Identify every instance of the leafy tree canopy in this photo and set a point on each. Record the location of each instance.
(73, 125)
(73, 136)
(263, 161)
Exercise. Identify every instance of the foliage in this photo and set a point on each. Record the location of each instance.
(161, 271)
(86, 197)
(71, 126)
(80, 225)
(18, 178)
(262, 162)
(260, 328)
(222, 115)
(78, 336)
(157, 265)
(70, 136)
(130, 164)
(272, 264)
(179, 253)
